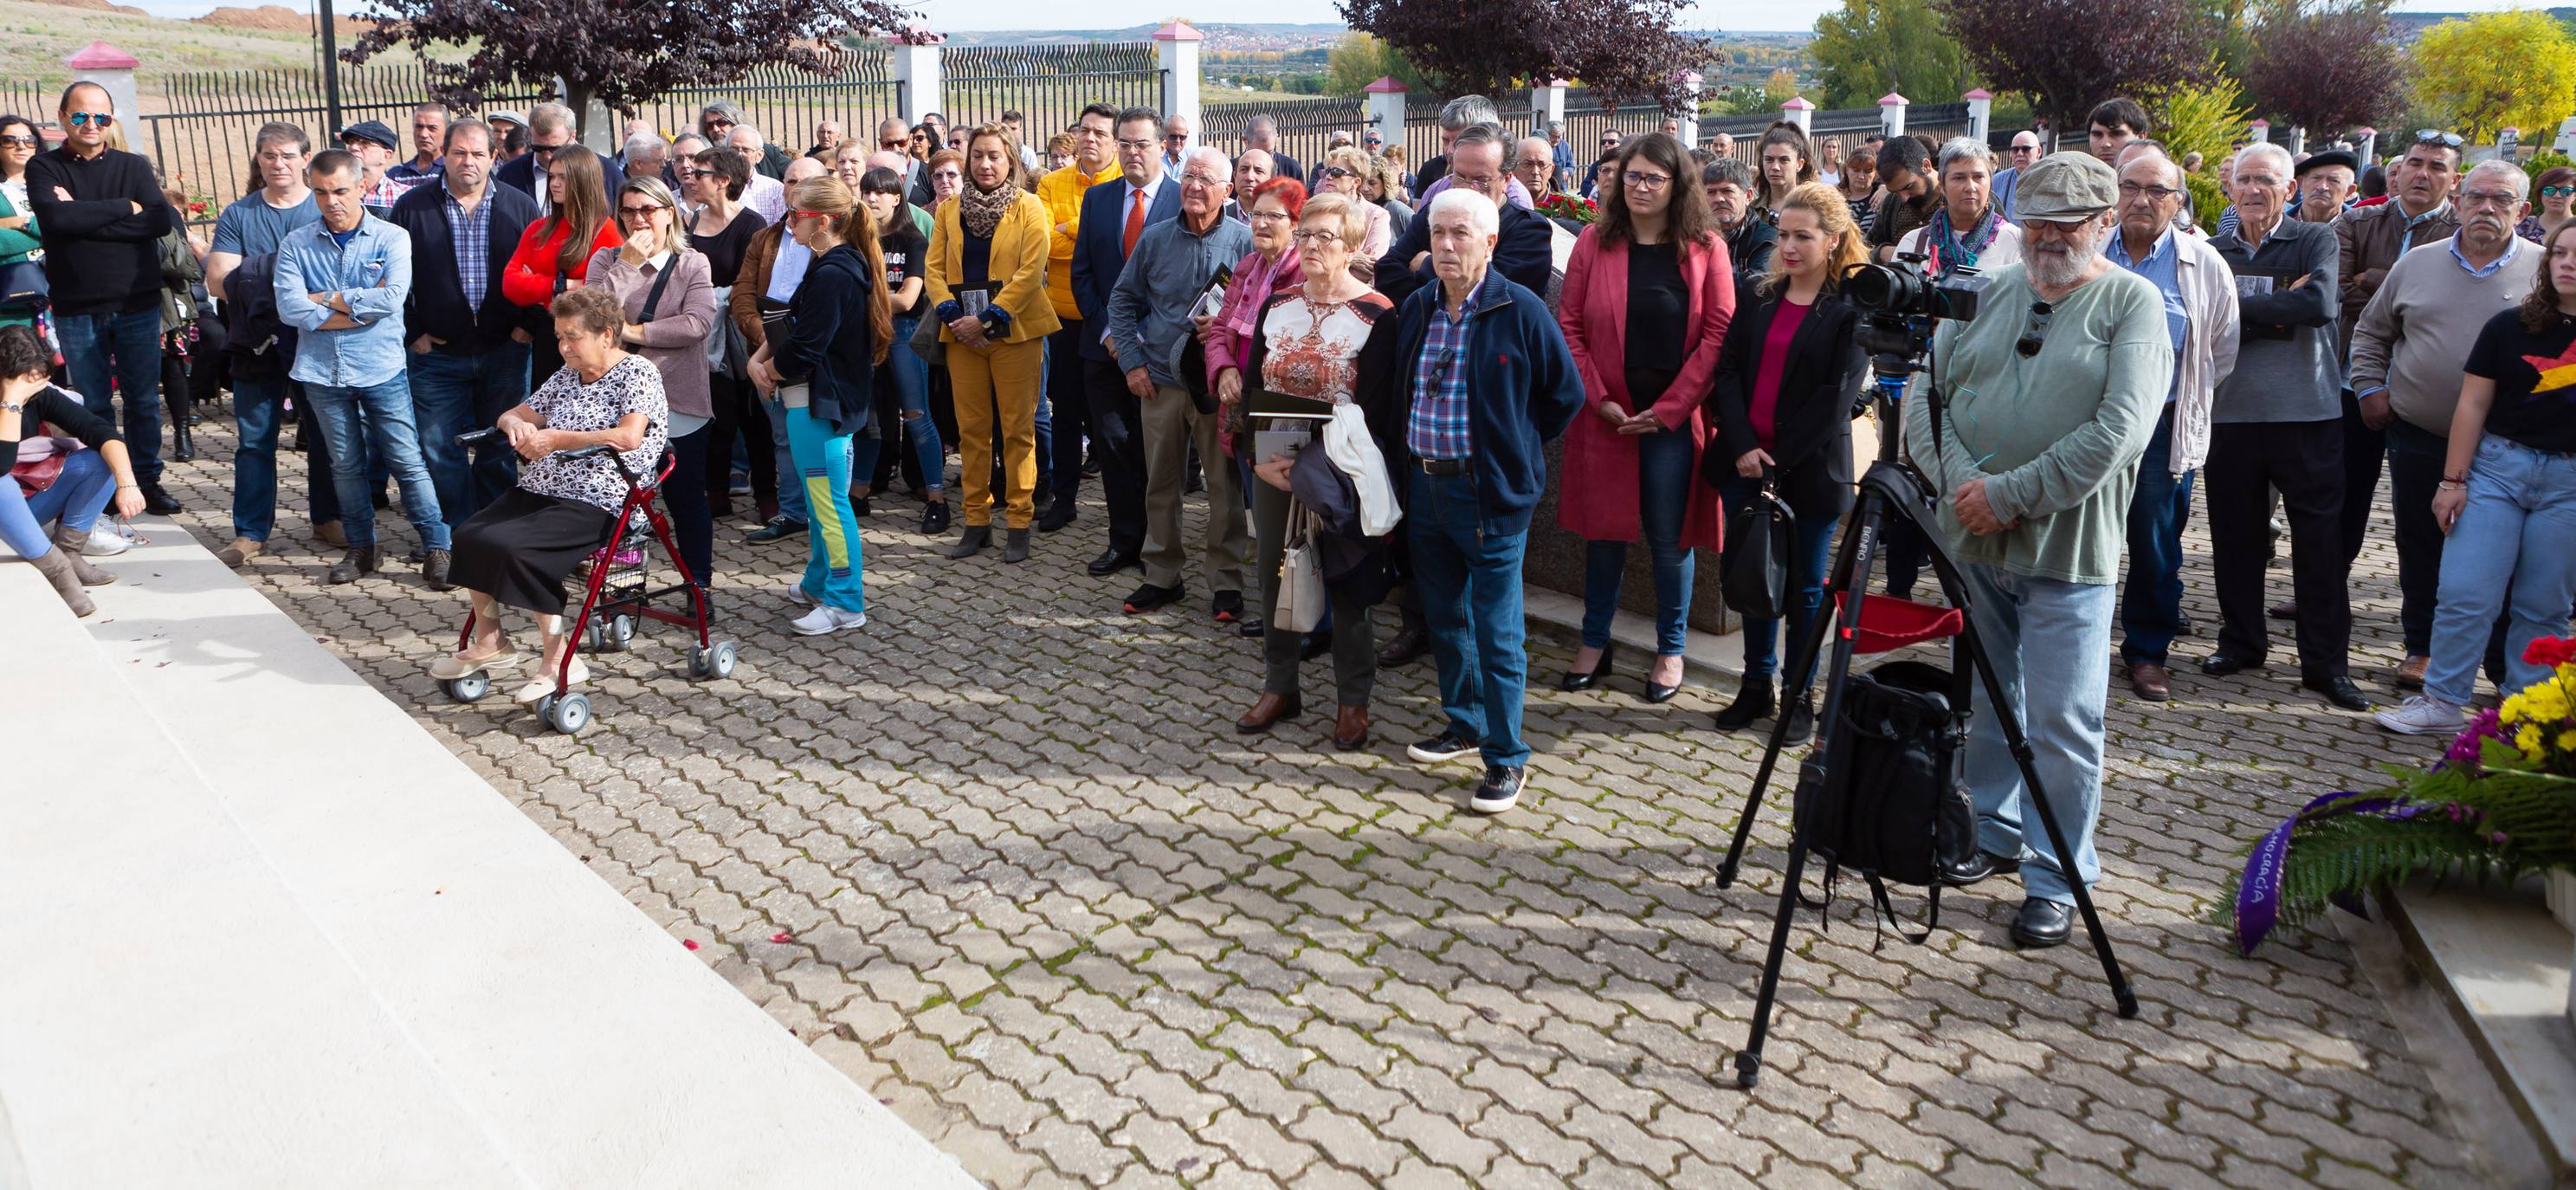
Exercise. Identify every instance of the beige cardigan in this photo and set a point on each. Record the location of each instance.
(2208, 348)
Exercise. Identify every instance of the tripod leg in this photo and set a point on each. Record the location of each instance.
(1748, 1061)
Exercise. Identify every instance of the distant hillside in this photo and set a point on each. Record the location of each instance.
(2407, 26)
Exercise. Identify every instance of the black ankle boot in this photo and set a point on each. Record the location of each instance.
(1754, 702)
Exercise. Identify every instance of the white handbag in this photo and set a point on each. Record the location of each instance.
(1302, 599)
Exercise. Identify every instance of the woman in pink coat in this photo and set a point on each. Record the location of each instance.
(1646, 301)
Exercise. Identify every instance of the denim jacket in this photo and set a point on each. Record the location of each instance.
(373, 275)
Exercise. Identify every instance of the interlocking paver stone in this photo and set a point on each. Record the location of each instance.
(1047, 905)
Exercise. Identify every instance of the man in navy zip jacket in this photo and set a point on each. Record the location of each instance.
(1488, 381)
(467, 345)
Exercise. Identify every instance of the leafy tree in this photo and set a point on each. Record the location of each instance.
(2326, 67)
(1626, 51)
(619, 52)
(2200, 118)
(2495, 71)
(1359, 59)
(2069, 58)
(1871, 47)
(1780, 87)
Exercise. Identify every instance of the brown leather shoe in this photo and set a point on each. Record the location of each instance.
(2150, 681)
(2410, 676)
(329, 533)
(1350, 727)
(1266, 711)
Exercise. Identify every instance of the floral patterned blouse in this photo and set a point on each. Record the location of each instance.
(1314, 351)
(632, 385)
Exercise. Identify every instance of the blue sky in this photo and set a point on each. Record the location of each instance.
(1112, 14)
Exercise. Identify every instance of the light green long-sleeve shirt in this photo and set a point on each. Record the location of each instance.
(2057, 435)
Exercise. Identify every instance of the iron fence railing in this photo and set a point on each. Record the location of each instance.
(1048, 85)
(855, 87)
(203, 143)
(1306, 126)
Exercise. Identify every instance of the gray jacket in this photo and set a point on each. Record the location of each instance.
(1149, 311)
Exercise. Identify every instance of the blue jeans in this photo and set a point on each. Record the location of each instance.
(912, 382)
(378, 415)
(2151, 603)
(1045, 417)
(2514, 535)
(454, 393)
(258, 410)
(1811, 555)
(112, 355)
(74, 502)
(791, 489)
(832, 560)
(1663, 498)
(1471, 602)
(2051, 645)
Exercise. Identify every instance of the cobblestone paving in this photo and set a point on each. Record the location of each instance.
(1038, 896)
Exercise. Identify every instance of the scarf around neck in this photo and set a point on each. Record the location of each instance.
(980, 210)
(1950, 252)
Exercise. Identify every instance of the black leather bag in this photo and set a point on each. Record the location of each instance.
(1753, 572)
(1892, 807)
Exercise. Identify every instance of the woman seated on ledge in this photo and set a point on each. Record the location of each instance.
(520, 548)
(72, 485)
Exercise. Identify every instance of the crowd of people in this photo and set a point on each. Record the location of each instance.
(1357, 365)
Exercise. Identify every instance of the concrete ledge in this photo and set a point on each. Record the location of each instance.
(2499, 962)
(267, 932)
(1708, 659)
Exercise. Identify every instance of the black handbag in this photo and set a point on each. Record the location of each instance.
(1891, 807)
(1753, 570)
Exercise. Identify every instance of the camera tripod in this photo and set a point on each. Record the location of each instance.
(1889, 488)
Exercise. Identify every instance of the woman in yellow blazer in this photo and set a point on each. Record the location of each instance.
(987, 283)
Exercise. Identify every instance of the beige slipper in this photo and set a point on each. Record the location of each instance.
(458, 665)
(543, 685)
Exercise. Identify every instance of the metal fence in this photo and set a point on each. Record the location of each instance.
(30, 99)
(1306, 126)
(856, 87)
(203, 143)
(1048, 85)
(1587, 116)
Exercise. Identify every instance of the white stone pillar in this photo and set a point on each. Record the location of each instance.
(916, 66)
(1549, 105)
(1981, 113)
(1691, 83)
(1891, 114)
(2298, 140)
(2366, 142)
(113, 69)
(2260, 131)
(1799, 112)
(2509, 146)
(1386, 99)
(1176, 49)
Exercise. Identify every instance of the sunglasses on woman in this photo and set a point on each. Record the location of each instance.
(2545, 191)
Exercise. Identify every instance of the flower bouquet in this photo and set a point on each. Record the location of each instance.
(1573, 208)
(2500, 803)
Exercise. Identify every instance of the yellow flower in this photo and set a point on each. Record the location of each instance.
(2567, 741)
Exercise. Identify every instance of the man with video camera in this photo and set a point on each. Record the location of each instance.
(2052, 393)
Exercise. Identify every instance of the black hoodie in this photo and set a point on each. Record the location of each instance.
(829, 340)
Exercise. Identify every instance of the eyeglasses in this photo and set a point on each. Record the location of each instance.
(2545, 191)
(1336, 172)
(1201, 179)
(718, 122)
(548, 150)
(1476, 184)
(2029, 344)
(2435, 136)
(1646, 181)
(644, 212)
(86, 119)
(1267, 216)
(29, 140)
(1175, 137)
(2129, 191)
(1316, 237)
(894, 143)
(1141, 146)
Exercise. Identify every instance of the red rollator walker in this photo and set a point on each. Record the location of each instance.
(615, 594)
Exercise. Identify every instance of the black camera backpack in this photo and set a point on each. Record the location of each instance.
(1890, 805)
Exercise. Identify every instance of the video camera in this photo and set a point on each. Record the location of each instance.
(1902, 302)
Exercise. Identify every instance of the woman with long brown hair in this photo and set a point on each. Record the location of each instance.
(987, 288)
(554, 253)
(1648, 295)
(1788, 383)
(1784, 162)
(823, 369)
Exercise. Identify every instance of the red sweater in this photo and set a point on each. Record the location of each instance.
(530, 279)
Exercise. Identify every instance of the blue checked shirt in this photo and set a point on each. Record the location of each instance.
(471, 232)
(1439, 423)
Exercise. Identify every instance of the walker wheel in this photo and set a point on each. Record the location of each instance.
(470, 688)
(698, 665)
(569, 714)
(721, 662)
(621, 628)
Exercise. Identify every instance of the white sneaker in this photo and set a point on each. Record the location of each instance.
(827, 618)
(2423, 714)
(796, 593)
(105, 541)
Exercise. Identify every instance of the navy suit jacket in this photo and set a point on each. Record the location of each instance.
(1524, 253)
(436, 305)
(520, 173)
(1098, 254)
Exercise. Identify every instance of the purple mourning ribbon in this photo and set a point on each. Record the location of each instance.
(2258, 895)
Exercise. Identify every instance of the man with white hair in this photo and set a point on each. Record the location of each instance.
(550, 128)
(1456, 117)
(1488, 381)
(1149, 321)
(2052, 396)
(2199, 295)
(766, 192)
(1177, 142)
(2277, 424)
(827, 138)
(645, 155)
(1534, 166)
(2408, 354)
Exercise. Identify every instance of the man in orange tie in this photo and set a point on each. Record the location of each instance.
(1114, 215)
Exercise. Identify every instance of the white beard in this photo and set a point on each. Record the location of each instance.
(2057, 270)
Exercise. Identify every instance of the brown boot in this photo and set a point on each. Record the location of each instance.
(1351, 727)
(1266, 710)
(329, 533)
(240, 552)
(68, 543)
(56, 566)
